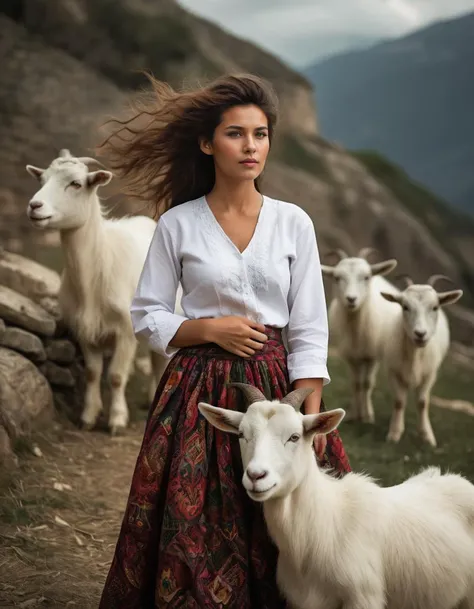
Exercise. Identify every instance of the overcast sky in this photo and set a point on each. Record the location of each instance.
(301, 31)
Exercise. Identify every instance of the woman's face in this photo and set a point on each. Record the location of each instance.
(240, 145)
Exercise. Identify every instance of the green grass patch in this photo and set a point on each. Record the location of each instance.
(391, 464)
(366, 444)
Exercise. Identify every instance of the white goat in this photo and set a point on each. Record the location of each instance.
(349, 543)
(103, 259)
(357, 318)
(417, 343)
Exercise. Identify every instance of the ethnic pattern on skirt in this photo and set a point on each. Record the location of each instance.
(191, 538)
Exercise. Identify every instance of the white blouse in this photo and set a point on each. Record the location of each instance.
(275, 281)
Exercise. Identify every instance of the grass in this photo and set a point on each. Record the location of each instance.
(366, 444)
(56, 544)
(390, 463)
(31, 508)
(49, 537)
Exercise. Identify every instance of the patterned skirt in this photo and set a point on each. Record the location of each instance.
(191, 538)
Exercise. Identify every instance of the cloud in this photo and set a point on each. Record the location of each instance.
(407, 11)
(305, 30)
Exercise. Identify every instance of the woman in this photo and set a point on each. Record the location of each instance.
(249, 267)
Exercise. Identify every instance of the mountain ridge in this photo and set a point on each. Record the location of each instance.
(50, 99)
(410, 99)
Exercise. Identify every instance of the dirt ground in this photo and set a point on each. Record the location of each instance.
(61, 510)
(61, 515)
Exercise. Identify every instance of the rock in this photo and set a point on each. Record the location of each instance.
(62, 329)
(57, 375)
(26, 399)
(61, 351)
(26, 343)
(67, 405)
(2, 327)
(27, 277)
(7, 457)
(51, 305)
(22, 311)
(70, 401)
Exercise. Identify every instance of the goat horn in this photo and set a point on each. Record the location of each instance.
(297, 397)
(339, 252)
(87, 159)
(365, 251)
(253, 394)
(408, 280)
(435, 278)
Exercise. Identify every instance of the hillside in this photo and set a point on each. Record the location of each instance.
(439, 217)
(67, 67)
(411, 99)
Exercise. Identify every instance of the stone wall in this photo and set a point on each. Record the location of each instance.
(41, 367)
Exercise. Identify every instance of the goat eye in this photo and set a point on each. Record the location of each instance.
(75, 184)
(294, 438)
(436, 307)
(241, 435)
(405, 307)
(366, 278)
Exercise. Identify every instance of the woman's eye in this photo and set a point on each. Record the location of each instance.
(261, 135)
(233, 133)
(75, 184)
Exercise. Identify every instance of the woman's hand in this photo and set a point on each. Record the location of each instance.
(238, 335)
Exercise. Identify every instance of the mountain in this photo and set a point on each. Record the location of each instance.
(410, 99)
(67, 66)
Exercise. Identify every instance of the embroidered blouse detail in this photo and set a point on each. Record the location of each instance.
(275, 281)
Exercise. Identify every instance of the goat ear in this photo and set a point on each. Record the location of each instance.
(383, 268)
(328, 271)
(390, 297)
(223, 419)
(36, 172)
(448, 298)
(99, 178)
(323, 422)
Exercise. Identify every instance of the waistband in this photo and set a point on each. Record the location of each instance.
(273, 347)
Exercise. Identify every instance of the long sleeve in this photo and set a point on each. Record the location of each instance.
(307, 331)
(152, 308)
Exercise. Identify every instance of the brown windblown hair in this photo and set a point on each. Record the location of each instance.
(157, 152)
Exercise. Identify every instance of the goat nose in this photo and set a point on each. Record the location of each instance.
(420, 333)
(351, 299)
(35, 204)
(256, 474)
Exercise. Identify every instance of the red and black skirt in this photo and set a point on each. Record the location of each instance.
(191, 538)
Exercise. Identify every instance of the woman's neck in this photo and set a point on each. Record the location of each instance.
(236, 196)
